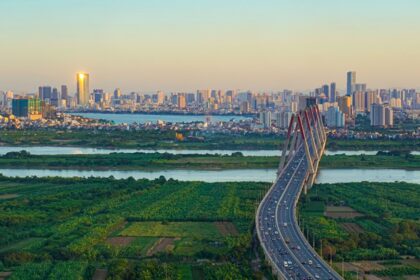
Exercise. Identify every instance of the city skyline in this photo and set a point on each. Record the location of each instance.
(203, 44)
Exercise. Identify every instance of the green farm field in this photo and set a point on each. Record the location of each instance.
(57, 228)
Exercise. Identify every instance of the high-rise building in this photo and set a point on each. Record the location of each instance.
(203, 96)
(370, 98)
(326, 91)
(395, 103)
(244, 107)
(359, 102)
(64, 92)
(333, 91)
(27, 108)
(344, 104)
(351, 81)
(160, 97)
(82, 80)
(377, 115)
(55, 97)
(360, 87)
(381, 115)
(265, 119)
(44, 93)
(283, 118)
(181, 101)
(389, 116)
(190, 98)
(98, 95)
(334, 117)
(117, 93)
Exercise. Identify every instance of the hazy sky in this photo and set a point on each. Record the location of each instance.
(146, 45)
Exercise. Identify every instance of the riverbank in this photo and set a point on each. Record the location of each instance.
(165, 161)
(328, 176)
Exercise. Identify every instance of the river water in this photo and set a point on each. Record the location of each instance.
(241, 175)
(153, 118)
(48, 150)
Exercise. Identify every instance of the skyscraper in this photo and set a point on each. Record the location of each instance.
(117, 93)
(64, 92)
(326, 91)
(55, 97)
(82, 80)
(333, 90)
(344, 104)
(351, 81)
(181, 101)
(44, 93)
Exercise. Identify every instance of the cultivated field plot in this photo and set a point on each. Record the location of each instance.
(352, 228)
(120, 240)
(139, 246)
(197, 230)
(162, 245)
(226, 228)
(8, 196)
(383, 270)
(100, 274)
(337, 212)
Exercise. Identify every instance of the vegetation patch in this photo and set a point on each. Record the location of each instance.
(337, 212)
(380, 220)
(63, 227)
(198, 230)
(25, 244)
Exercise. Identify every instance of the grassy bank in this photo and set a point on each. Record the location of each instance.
(159, 161)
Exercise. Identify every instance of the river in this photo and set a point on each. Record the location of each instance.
(49, 150)
(256, 175)
(153, 118)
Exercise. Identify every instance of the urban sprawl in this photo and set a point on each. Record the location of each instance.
(269, 112)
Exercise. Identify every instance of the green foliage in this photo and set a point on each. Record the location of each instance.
(32, 271)
(390, 222)
(59, 227)
(398, 271)
(68, 271)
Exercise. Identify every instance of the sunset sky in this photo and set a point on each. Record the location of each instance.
(189, 44)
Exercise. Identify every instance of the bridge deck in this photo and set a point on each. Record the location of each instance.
(290, 255)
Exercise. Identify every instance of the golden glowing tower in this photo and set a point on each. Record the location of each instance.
(82, 80)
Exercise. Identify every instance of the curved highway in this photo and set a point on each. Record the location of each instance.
(290, 255)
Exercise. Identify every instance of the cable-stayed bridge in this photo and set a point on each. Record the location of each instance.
(284, 245)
